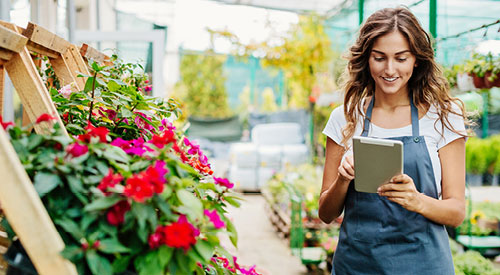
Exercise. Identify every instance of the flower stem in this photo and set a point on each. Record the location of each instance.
(93, 93)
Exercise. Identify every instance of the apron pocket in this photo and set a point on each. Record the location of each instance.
(378, 220)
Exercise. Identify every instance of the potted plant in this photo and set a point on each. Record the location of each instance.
(484, 69)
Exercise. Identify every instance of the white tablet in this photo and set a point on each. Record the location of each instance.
(376, 161)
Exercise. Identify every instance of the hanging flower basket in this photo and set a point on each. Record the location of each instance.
(490, 80)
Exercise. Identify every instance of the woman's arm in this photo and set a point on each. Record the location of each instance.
(451, 209)
(336, 179)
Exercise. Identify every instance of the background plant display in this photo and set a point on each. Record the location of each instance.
(128, 192)
(482, 219)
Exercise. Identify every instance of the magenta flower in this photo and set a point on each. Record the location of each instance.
(214, 218)
(140, 121)
(77, 149)
(66, 91)
(224, 182)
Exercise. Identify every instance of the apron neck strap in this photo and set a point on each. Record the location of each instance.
(414, 118)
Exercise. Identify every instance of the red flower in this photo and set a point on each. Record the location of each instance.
(116, 214)
(138, 188)
(6, 125)
(45, 117)
(96, 244)
(110, 180)
(92, 131)
(160, 141)
(180, 234)
(155, 239)
(76, 149)
(156, 176)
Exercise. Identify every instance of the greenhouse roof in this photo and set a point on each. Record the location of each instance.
(298, 6)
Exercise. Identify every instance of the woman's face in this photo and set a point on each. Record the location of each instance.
(391, 63)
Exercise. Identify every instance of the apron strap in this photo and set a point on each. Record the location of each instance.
(414, 118)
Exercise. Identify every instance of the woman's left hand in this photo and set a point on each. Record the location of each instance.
(402, 191)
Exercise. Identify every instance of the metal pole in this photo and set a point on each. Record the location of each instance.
(485, 93)
(253, 70)
(361, 9)
(71, 19)
(433, 18)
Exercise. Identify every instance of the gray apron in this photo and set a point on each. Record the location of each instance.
(378, 236)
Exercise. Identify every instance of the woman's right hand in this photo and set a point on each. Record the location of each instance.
(346, 168)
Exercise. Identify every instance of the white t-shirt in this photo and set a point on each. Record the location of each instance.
(428, 128)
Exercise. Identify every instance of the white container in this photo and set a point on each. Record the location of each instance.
(269, 156)
(294, 154)
(277, 134)
(264, 175)
(465, 82)
(244, 155)
(244, 179)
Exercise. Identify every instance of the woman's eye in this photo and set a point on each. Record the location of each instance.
(401, 59)
(378, 58)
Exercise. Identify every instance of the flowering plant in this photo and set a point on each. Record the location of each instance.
(127, 192)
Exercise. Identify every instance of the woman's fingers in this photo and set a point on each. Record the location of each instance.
(346, 168)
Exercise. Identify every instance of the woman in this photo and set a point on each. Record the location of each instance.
(396, 90)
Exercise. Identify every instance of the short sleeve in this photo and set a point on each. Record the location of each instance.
(335, 124)
(457, 122)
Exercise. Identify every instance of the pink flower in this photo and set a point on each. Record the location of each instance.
(66, 91)
(140, 121)
(76, 149)
(214, 218)
(156, 176)
(109, 113)
(224, 182)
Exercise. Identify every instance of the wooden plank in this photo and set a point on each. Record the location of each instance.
(27, 216)
(72, 68)
(62, 71)
(45, 38)
(2, 87)
(30, 88)
(5, 54)
(90, 53)
(11, 40)
(36, 48)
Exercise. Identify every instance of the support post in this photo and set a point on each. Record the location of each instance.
(433, 18)
(27, 215)
(361, 10)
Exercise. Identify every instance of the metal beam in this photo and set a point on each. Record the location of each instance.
(361, 10)
(433, 18)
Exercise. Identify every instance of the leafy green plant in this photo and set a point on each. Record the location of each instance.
(482, 155)
(127, 191)
(202, 85)
(472, 263)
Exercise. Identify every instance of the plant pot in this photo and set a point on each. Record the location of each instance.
(478, 82)
(490, 84)
(488, 224)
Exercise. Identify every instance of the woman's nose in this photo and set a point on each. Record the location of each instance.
(389, 67)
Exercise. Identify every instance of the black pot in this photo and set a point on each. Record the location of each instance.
(19, 261)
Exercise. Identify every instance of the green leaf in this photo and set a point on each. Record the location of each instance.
(121, 263)
(233, 200)
(126, 113)
(116, 153)
(165, 254)
(44, 182)
(87, 220)
(140, 165)
(72, 253)
(192, 205)
(102, 203)
(233, 234)
(204, 249)
(163, 205)
(88, 84)
(34, 140)
(143, 213)
(111, 246)
(98, 264)
(76, 186)
(149, 264)
(71, 227)
(113, 86)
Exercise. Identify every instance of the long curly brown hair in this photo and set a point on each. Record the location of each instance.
(427, 84)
